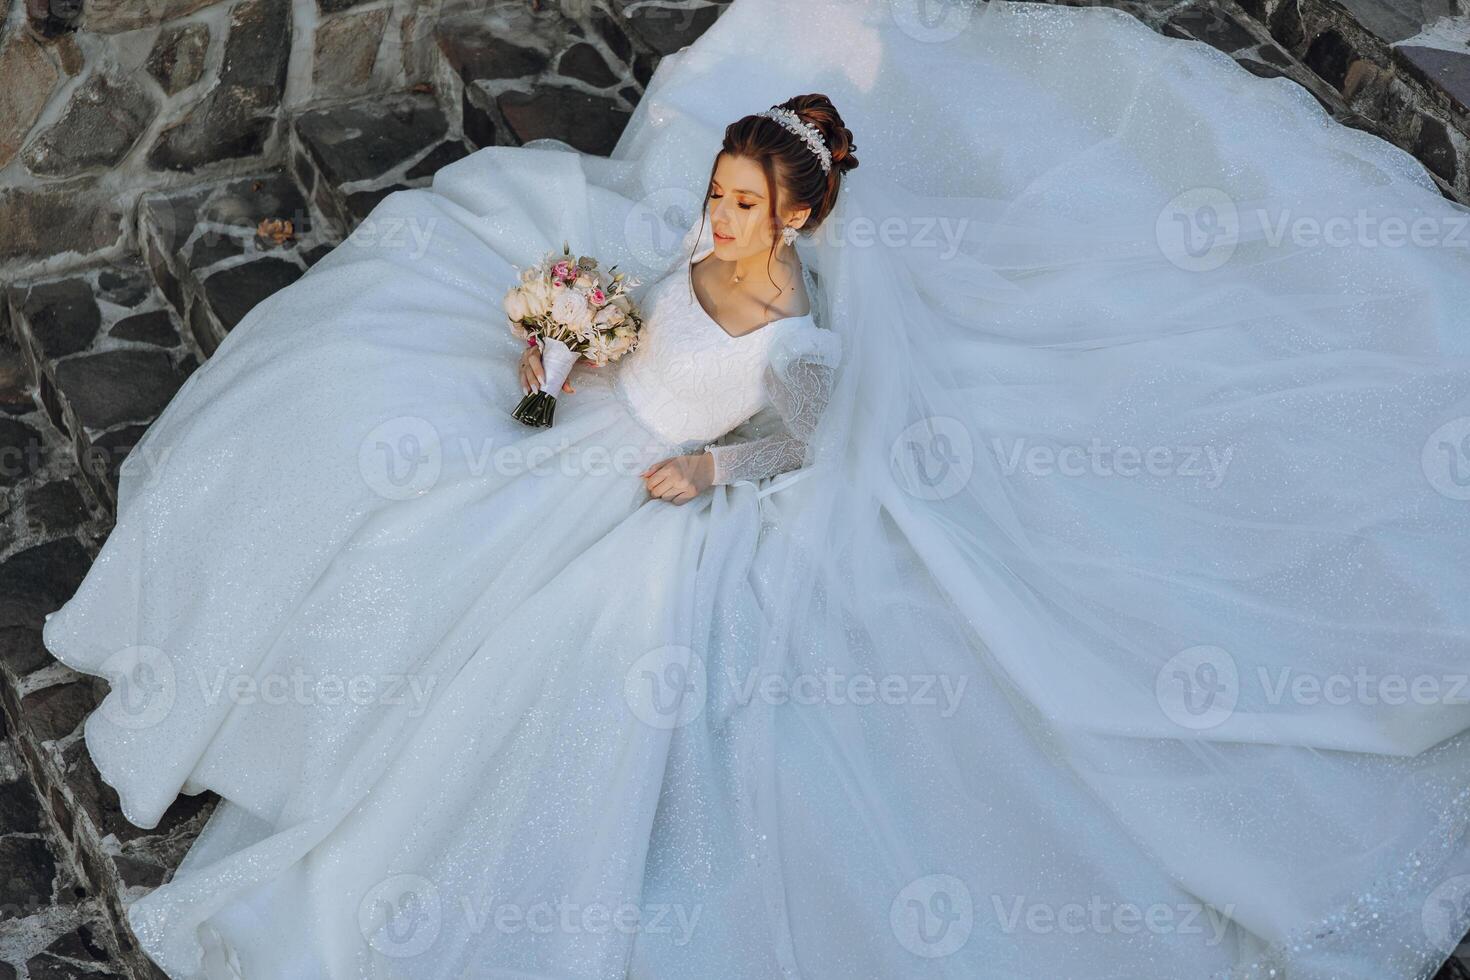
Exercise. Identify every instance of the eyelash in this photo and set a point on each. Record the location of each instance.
(716, 197)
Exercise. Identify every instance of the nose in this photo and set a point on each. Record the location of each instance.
(719, 215)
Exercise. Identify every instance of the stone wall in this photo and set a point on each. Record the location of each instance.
(1403, 63)
(104, 99)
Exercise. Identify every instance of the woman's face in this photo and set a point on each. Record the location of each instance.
(739, 209)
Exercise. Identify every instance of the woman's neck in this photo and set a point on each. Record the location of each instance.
(745, 272)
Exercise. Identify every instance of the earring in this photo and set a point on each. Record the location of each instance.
(788, 234)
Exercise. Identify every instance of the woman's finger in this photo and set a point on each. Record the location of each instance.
(653, 467)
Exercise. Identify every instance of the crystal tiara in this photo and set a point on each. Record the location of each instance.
(809, 133)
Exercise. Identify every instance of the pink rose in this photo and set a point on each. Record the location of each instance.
(599, 297)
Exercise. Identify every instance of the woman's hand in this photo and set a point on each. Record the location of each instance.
(680, 479)
(532, 374)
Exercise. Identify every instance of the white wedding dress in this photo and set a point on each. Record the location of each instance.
(900, 696)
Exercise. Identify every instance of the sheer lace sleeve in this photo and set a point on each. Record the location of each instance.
(798, 379)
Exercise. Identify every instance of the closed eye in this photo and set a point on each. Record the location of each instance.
(742, 204)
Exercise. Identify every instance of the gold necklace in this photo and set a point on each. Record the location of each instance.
(734, 279)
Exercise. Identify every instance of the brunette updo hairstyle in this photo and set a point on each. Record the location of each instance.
(789, 164)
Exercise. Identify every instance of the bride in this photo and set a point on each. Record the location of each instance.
(1038, 552)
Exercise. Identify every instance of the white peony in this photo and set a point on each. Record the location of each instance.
(570, 307)
(538, 297)
(515, 305)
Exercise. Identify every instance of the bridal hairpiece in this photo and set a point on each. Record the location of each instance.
(809, 133)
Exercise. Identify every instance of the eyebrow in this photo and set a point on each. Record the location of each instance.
(740, 190)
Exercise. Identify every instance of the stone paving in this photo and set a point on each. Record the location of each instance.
(349, 157)
(70, 859)
(1405, 63)
(50, 926)
(88, 358)
(106, 355)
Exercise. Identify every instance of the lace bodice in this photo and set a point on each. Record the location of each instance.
(691, 383)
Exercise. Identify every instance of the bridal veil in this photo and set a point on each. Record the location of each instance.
(1154, 423)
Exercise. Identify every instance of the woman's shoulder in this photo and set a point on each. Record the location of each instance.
(802, 338)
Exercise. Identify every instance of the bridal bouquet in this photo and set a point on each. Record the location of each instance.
(571, 309)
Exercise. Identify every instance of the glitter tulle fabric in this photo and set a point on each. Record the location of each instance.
(1114, 627)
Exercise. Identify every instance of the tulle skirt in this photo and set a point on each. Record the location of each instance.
(477, 707)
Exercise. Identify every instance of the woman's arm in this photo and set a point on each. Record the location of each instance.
(799, 380)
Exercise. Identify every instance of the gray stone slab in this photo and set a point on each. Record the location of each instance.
(116, 386)
(364, 141)
(1395, 20)
(1448, 71)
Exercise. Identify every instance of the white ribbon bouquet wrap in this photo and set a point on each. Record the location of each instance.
(573, 309)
